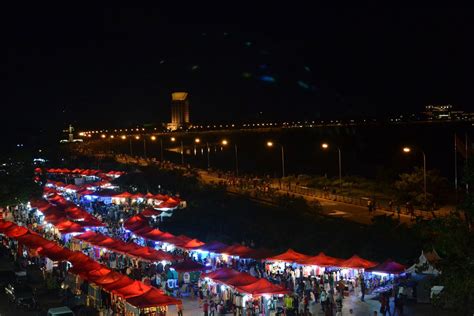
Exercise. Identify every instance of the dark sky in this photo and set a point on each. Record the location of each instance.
(117, 66)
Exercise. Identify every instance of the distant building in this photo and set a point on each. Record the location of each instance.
(438, 112)
(446, 112)
(179, 111)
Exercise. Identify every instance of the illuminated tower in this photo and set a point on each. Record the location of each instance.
(179, 110)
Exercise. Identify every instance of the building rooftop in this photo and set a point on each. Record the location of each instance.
(179, 96)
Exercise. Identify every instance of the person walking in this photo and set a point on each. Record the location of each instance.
(339, 304)
(179, 308)
(362, 289)
(323, 298)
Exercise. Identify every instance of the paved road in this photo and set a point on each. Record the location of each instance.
(331, 208)
(367, 308)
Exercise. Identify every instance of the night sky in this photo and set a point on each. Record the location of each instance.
(105, 67)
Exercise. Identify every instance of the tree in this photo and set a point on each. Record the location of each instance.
(17, 185)
(454, 242)
(453, 238)
(410, 188)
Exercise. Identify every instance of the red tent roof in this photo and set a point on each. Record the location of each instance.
(152, 298)
(241, 279)
(125, 195)
(322, 260)
(4, 225)
(39, 204)
(193, 244)
(221, 274)
(120, 283)
(151, 254)
(108, 278)
(135, 288)
(356, 262)
(290, 256)
(150, 212)
(135, 222)
(262, 286)
(237, 250)
(67, 227)
(15, 231)
(388, 266)
(188, 266)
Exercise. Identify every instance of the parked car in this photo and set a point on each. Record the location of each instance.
(60, 311)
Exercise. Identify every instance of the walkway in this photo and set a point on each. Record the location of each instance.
(330, 207)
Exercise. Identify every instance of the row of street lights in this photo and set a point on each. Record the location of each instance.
(270, 144)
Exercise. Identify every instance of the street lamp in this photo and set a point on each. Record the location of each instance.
(326, 146)
(173, 139)
(130, 143)
(153, 138)
(270, 144)
(408, 150)
(103, 136)
(224, 142)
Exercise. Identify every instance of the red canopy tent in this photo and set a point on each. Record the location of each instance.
(152, 298)
(4, 225)
(108, 278)
(237, 250)
(388, 266)
(261, 287)
(39, 204)
(151, 254)
(120, 283)
(289, 256)
(156, 235)
(67, 227)
(135, 288)
(221, 274)
(241, 279)
(193, 244)
(150, 212)
(15, 231)
(124, 195)
(322, 260)
(135, 222)
(356, 262)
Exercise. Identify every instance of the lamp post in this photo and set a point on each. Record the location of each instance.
(173, 139)
(224, 142)
(130, 143)
(326, 146)
(408, 150)
(271, 144)
(197, 141)
(153, 138)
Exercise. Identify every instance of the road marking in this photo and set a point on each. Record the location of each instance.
(338, 213)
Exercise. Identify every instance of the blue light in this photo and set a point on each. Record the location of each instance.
(268, 79)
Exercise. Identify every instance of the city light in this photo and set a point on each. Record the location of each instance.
(406, 149)
(112, 136)
(197, 140)
(270, 144)
(137, 137)
(224, 142)
(123, 137)
(153, 137)
(324, 145)
(173, 139)
(103, 136)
